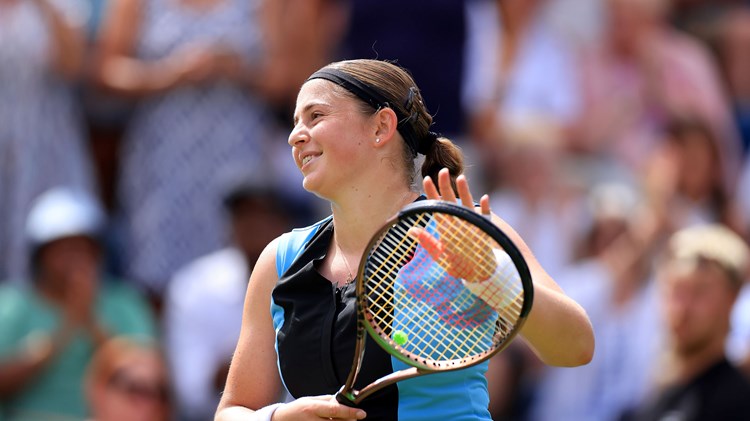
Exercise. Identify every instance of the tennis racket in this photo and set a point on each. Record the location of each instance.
(439, 287)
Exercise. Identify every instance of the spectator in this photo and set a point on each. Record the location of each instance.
(42, 142)
(734, 53)
(612, 281)
(699, 283)
(203, 307)
(127, 381)
(51, 328)
(643, 73)
(685, 180)
(518, 71)
(199, 70)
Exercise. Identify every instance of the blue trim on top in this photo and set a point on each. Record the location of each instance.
(290, 246)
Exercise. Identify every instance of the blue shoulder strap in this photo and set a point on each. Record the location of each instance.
(291, 245)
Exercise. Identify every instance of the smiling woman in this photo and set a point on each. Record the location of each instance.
(359, 127)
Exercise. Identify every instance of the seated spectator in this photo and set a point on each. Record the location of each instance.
(203, 306)
(699, 284)
(127, 381)
(52, 326)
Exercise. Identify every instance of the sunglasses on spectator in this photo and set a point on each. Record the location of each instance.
(122, 382)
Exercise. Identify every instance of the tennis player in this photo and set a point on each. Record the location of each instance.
(359, 127)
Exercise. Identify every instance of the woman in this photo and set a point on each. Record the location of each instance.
(196, 67)
(358, 127)
(42, 141)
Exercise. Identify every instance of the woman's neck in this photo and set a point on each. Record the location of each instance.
(360, 214)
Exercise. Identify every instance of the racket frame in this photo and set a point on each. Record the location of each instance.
(347, 395)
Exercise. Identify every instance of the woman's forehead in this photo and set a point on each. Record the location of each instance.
(321, 89)
(315, 89)
(322, 92)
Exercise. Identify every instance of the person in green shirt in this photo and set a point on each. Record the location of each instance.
(50, 327)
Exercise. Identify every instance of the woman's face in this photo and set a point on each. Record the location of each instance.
(329, 138)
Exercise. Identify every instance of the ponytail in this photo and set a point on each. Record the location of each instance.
(443, 154)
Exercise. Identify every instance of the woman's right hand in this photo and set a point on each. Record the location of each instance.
(317, 408)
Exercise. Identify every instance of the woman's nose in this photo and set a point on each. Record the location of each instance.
(297, 136)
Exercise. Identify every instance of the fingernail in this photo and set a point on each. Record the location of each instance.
(361, 414)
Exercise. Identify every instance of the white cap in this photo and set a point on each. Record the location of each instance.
(63, 212)
(713, 242)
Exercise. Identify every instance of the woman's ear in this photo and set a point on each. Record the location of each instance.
(386, 125)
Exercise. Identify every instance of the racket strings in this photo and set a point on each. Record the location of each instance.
(476, 241)
(471, 329)
(507, 274)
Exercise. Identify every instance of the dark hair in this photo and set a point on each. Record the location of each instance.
(378, 84)
(678, 131)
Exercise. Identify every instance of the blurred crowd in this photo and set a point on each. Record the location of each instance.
(144, 165)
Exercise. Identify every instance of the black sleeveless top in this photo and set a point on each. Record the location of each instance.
(316, 341)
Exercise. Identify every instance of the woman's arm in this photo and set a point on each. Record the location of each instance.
(253, 381)
(117, 69)
(557, 328)
(68, 40)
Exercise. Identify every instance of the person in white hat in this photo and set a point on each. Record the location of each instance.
(699, 284)
(51, 326)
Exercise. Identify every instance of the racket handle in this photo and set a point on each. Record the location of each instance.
(344, 400)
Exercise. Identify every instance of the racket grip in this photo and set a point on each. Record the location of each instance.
(344, 400)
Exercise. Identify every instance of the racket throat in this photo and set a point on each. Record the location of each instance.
(348, 396)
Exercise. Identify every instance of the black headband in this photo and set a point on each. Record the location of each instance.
(373, 97)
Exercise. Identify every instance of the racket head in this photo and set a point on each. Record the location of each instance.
(417, 306)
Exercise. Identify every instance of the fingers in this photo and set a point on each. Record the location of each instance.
(426, 240)
(316, 408)
(336, 411)
(447, 193)
(464, 192)
(430, 190)
(444, 183)
(484, 206)
(342, 412)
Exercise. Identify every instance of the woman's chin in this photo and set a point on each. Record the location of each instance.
(311, 184)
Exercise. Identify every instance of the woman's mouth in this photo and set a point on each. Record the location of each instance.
(307, 158)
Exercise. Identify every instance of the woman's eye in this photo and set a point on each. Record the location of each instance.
(315, 116)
